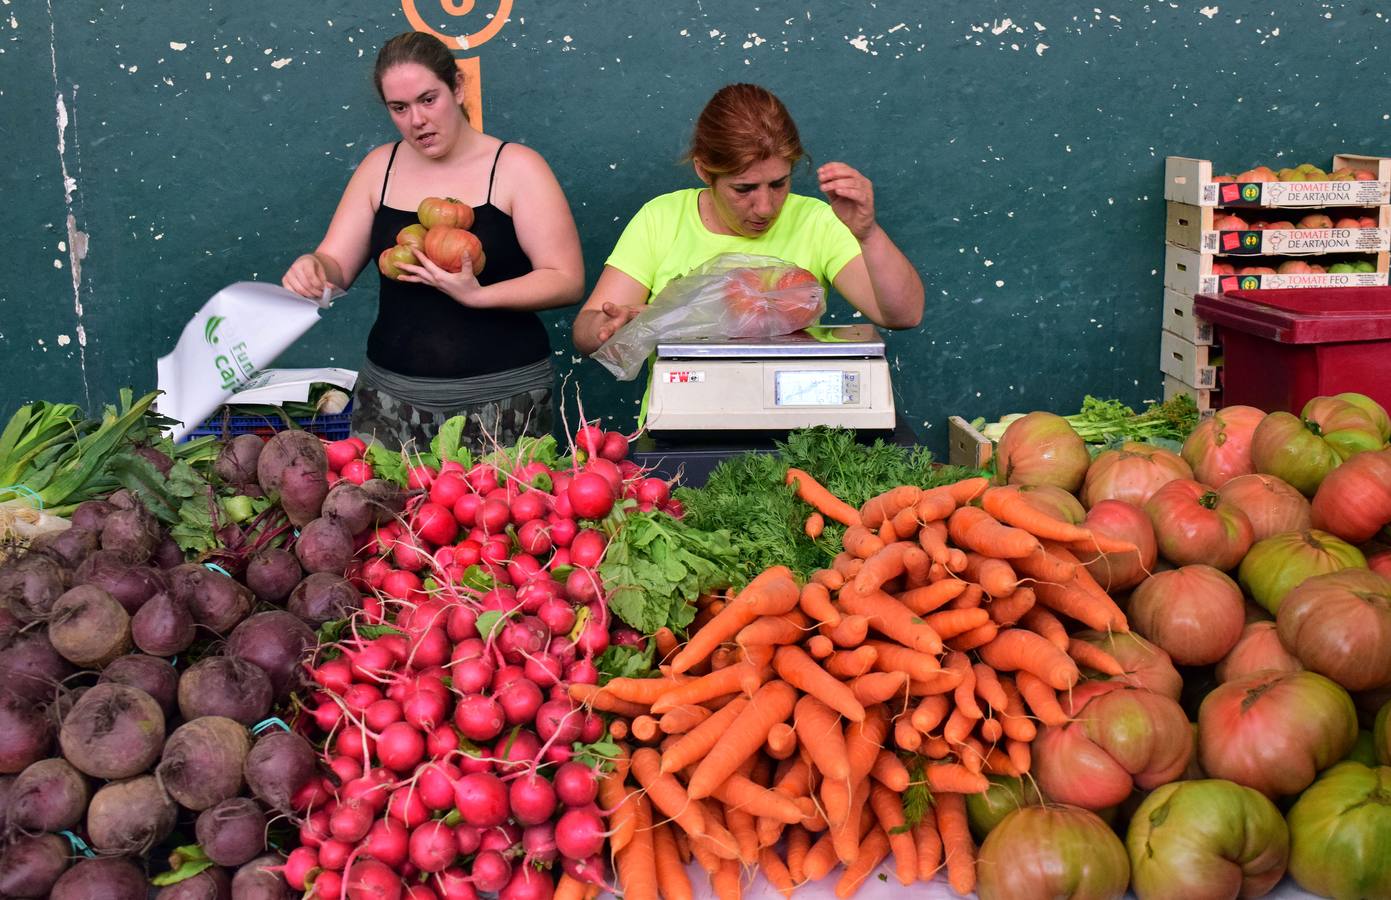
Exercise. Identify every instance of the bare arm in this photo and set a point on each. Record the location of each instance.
(616, 299)
(880, 282)
(343, 252)
(546, 232)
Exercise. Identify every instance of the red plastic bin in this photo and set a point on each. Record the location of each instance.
(1282, 347)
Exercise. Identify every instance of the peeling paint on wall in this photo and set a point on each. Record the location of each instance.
(77, 239)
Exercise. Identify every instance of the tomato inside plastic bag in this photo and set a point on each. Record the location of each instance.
(732, 295)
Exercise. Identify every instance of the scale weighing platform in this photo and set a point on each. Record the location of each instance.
(717, 398)
(826, 375)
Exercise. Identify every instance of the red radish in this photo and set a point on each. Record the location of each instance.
(357, 471)
(558, 615)
(420, 892)
(301, 862)
(674, 509)
(436, 784)
(351, 743)
(409, 554)
(385, 535)
(516, 752)
(560, 507)
(388, 842)
(430, 649)
(544, 670)
(494, 516)
(562, 649)
(491, 871)
(582, 585)
(462, 624)
(407, 808)
(453, 884)
(500, 599)
(432, 847)
(523, 568)
(529, 505)
(466, 552)
(425, 709)
(448, 488)
(351, 821)
(483, 478)
(346, 768)
(470, 648)
(505, 675)
(520, 699)
(466, 509)
(589, 870)
(333, 854)
(538, 842)
(608, 470)
(381, 714)
(558, 720)
(576, 784)
(495, 551)
(400, 584)
(537, 591)
(435, 523)
(400, 747)
(360, 696)
(557, 754)
(591, 495)
(502, 838)
(481, 799)
(357, 442)
(326, 886)
(314, 830)
(452, 465)
(375, 570)
(654, 491)
(594, 637)
(623, 636)
(521, 638)
(527, 883)
(443, 741)
(340, 453)
(593, 726)
(468, 838)
(534, 537)
(562, 530)
(369, 879)
(590, 439)
(418, 477)
(532, 798)
(479, 717)
(334, 675)
(587, 548)
(327, 715)
(615, 446)
(472, 676)
(629, 470)
(579, 833)
(560, 558)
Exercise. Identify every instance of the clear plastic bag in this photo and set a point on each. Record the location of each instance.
(733, 295)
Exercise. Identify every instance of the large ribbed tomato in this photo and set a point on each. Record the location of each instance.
(1351, 427)
(1270, 503)
(1303, 449)
(1192, 525)
(1052, 500)
(766, 301)
(1339, 625)
(434, 212)
(1340, 833)
(1219, 449)
(1275, 731)
(1372, 409)
(1146, 666)
(390, 260)
(1195, 613)
(1120, 738)
(1125, 522)
(1041, 448)
(1206, 840)
(1257, 649)
(1132, 473)
(1052, 851)
(1275, 565)
(448, 246)
(1354, 501)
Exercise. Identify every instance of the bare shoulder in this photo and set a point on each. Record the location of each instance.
(522, 160)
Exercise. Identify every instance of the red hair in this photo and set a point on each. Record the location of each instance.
(741, 125)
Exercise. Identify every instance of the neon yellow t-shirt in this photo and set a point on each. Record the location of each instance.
(666, 239)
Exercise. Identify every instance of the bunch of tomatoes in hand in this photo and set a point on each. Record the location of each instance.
(441, 234)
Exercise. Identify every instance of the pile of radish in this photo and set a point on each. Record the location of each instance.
(448, 736)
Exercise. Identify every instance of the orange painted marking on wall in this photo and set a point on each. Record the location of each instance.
(470, 66)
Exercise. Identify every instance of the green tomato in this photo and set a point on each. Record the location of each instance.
(1280, 563)
(1364, 751)
(1364, 265)
(1052, 851)
(1340, 832)
(1341, 269)
(1004, 796)
(1206, 839)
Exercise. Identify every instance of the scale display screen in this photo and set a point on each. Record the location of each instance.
(814, 387)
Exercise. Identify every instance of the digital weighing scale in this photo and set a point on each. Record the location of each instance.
(826, 375)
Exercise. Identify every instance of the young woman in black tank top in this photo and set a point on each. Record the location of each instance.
(445, 343)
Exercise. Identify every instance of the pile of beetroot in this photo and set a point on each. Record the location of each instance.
(136, 689)
(453, 759)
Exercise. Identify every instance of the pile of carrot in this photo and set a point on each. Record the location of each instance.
(783, 734)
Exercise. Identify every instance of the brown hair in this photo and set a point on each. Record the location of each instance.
(420, 48)
(741, 125)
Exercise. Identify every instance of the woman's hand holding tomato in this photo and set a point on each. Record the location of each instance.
(463, 286)
(851, 196)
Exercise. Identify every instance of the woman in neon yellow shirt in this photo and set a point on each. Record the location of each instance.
(744, 147)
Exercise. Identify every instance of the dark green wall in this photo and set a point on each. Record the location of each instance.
(1016, 148)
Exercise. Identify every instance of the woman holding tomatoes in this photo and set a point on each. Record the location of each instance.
(467, 341)
(744, 148)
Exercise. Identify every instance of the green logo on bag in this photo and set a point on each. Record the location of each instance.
(210, 330)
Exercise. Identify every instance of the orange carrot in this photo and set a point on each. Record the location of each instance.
(1009, 506)
(704, 853)
(1044, 566)
(740, 677)
(820, 859)
(957, 845)
(891, 618)
(976, 637)
(967, 490)
(917, 567)
(567, 888)
(618, 729)
(933, 539)
(997, 762)
(697, 742)
(879, 687)
(850, 632)
(820, 646)
(683, 718)
(1019, 754)
(718, 839)
(969, 598)
(798, 843)
(852, 663)
(802, 672)
(888, 809)
(775, 871)
(860, 542)
(948, 623)
(928, 844)
(741, 826)
(1008, 610)
(772, 592)
(896, 658)
(1093, 657)
(941, 682)
(1015, 719)
(935, 504)
(1041, 698)
(666, 643)
(956, 560)
(782, 741)
(760, 656)
(637, 868)
(882, 567)
(673, 882)
(965, 693)
(644, 728)
(666, 793)
(813, 493)
(591, 695)
(923, 600)
(959, 726)
(784, 629)
(815, 525)
(1043, 623)
(873, 851)
(991, 730)
(988, 687)
(889, 771)
(772, 704)
(936, 747)
(738, 792)
(864, 740)
(1018, 650)
(888, 504)
(620, 802)
(727, 881)
(843, 826)
(847, 566)
(906, 737)
(815, 601)
(931, 712)
(819, 732)
(830, 579)
(995, 576)
(906, 524)
(975, 529)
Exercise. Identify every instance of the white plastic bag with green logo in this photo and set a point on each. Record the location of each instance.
(236, 334)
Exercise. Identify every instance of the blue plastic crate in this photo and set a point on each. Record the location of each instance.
(225, 425)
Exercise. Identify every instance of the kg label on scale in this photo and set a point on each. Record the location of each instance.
(695, 377)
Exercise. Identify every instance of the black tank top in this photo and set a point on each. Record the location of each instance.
(423, 333)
